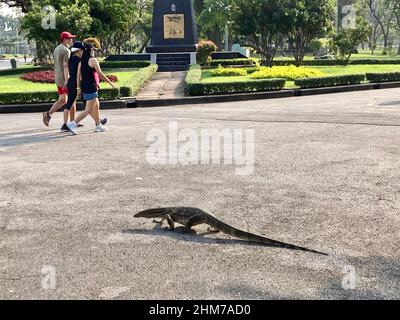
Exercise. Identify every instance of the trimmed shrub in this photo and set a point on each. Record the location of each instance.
(288, 73)
(204, 51)
(383, 77)
(124, 64)
(11, 72)
(228, 72)
(232, 62)
(322, 62)
(136, 82)
(331, 81)
(253, 69)
(194, 86)
(48, 96)
(375, 61)
(109, 94)
(28, 97)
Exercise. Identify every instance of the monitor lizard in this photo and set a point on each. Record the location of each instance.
(190, 217)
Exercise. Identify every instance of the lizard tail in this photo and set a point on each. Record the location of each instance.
(234, 232)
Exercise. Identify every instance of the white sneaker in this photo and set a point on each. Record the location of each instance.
(72, 127)
(101, 128)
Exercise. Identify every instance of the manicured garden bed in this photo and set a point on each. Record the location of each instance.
(14, 90)
(205, 79)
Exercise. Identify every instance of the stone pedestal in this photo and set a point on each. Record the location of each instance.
(173, 35)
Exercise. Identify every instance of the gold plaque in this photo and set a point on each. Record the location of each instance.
(174, 26)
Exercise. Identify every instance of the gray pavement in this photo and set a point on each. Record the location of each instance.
(326, 176)
(5, 64)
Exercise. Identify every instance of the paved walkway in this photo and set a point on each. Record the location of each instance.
(164, 85)
(6, 64)
(326, 176)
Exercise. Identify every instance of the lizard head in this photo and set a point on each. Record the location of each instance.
(153, 213)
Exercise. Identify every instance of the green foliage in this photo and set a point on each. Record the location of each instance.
(383, 77)
(204, 51)
(119, 23)
(215, 14)
(194, 86)
(70, 15)
(346, 41)
(337, 62)
(228, 72)
(319, 46)
(330, 81)
(133, 85)
(28, 97)
(124, 64)
(116, 23)
(232, 62)
(305, 21)
(288, 73)
(48, 96)
(261, 24)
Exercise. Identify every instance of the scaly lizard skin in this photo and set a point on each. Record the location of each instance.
(190, 217)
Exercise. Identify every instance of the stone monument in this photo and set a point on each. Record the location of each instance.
(174, 35)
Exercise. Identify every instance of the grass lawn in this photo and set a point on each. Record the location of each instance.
(13, 83)
(328, 70)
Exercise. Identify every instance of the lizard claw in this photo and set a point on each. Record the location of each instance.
(212, 230)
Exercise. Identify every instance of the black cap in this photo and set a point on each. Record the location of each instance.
(77, 46)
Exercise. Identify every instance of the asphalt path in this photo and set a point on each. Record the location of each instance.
(326, 176)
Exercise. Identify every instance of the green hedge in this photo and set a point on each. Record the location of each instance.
(10, 72)
(194, 87)
(28, 97)
(232, 62)
(306, 63)
(383, 77)
(124, 64)
(375, 61)
(330, 81)
(48, 96)
(133, 85)
(332, 62)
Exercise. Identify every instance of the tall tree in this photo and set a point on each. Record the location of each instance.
(260, 24)
(383, 16)
(69, 16)
(305, 21)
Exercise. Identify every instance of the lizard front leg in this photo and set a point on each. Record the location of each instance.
(170, 221)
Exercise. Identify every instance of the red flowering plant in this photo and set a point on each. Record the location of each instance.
(48, 77)
(39, 76)
(205, 48)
